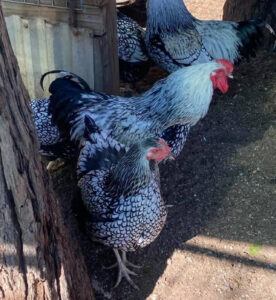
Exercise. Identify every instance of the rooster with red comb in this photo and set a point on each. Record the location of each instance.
(181, 99)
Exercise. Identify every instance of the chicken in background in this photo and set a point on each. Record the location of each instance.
(51, 145)
(121, 193)
(176, 39)
(181, 98)
(134, 62)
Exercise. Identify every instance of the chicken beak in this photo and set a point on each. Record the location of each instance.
(231, 76)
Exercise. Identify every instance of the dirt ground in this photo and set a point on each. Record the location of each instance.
(206, 10)
(219, 241)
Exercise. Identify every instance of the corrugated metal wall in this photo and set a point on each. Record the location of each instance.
(41, 46)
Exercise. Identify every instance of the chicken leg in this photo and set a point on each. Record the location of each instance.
(123, 271)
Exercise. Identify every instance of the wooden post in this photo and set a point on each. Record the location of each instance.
(38, 259)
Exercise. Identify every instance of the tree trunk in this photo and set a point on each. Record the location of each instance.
(240, 10)
(37, 258)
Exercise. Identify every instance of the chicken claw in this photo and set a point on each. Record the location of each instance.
(123, 270)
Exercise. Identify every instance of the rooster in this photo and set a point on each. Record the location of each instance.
(120, 191)
(175, 38)
(181, 98)
(134, 62)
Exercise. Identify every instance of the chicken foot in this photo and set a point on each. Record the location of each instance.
(125, 261)
(123, 271)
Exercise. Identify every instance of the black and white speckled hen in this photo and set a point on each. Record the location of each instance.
(175, 38)
(181, 98)
(134, 62)
(51, 144)
(120, 190)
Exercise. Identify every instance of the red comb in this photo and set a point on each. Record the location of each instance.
(227, 64)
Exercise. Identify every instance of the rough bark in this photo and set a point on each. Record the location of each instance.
(37, 258)
(240, 10)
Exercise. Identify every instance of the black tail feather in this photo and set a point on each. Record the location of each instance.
(66, 98)
(65, 74)
(250, 33)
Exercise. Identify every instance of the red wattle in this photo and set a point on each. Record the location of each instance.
(222, 84)
(158, 154)
(214, 81)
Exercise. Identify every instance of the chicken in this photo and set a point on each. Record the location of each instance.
(176, 136)
(120, 190)
(181, 98)
(51, 144)
(134, 62)
(175, 38)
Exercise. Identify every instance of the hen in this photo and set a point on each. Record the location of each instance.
(181, 98)
(134, 62)
(51, 144)
(175, 38)
(120, 190)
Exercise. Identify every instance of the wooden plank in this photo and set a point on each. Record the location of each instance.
(99, 3)
(41, 46)
(92, 55)
(90, 17)
(110, 18)
(82, 54)
(99, 56)
(37, 43)
(15, 26)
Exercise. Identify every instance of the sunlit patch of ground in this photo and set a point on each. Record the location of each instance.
(206, 10)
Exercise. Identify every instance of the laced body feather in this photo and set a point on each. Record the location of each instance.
(134, 62)
(121, 193)
(51, 144)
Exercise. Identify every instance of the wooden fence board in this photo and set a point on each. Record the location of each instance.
(43, 39)
(41, 46)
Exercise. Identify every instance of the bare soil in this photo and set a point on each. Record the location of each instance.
(206, 10)
(220, 238)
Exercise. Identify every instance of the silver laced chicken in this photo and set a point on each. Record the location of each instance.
(176, 39)
(120, 190)
(134, 62)
(181, 98)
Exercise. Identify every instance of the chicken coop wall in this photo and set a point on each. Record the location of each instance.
(81, 39)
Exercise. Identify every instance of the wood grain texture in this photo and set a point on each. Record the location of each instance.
(81, 41)
(41, 46)
(38, 258)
